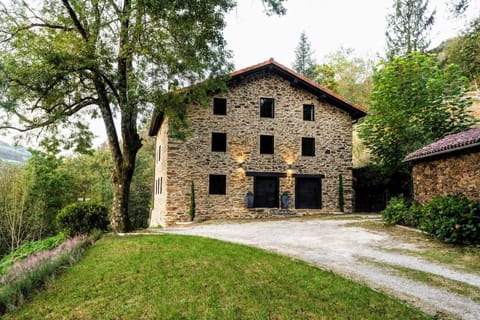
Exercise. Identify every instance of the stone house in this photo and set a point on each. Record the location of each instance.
(448, 166)
(274, 131)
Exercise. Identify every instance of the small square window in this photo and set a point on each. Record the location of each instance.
(308, 112)
(219, 142)
(217, 184)
(220, 106)
(267, 107)
(266, 144)
(308, 147)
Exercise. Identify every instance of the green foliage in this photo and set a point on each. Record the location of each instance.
(347, 74)
(452, 219)
(413, 103)
(191, 209)
(50, 187)
(465, 51)
(402, 212)
(25, 277)
(341, 199)
(304, 62)
(395, 211)
(408, 26)
(83, 218)
(28, 249)
(92, 179)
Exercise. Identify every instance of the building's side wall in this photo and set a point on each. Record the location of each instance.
(451, 175)
(193, 159)
(160, 187)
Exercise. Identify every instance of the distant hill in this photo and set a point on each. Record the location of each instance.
(13, 154)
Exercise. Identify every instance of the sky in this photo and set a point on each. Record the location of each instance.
(329, 24)
(254, 37)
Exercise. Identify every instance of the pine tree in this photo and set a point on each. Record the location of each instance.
(304, 62)
(408, 26)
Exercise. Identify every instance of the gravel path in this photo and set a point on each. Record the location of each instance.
(346, 250)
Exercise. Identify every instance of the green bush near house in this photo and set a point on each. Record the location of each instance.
(452, 219)
(83, 218)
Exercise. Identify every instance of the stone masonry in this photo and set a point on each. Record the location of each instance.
(455, 174)
(181, 162)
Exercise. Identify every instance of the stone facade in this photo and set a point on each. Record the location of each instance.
(452, 174)
(180, 163)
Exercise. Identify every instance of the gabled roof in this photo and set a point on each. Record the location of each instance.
(296, 80)
(449, 144)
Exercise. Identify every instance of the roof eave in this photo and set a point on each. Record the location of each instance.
(443, 152)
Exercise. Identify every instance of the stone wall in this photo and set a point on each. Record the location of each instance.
(450, 175)
(193, 159)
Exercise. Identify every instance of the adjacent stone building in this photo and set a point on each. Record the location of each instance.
(273, 132)
(448, 166)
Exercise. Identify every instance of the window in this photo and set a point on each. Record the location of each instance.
(219, 106)
(308, 147)
(308, 112)
(158, 185)
(217, 184)
(266, 144)
(159, 155)
(219, 142)
(267, 107)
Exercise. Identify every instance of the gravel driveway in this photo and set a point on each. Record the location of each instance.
(347, 250)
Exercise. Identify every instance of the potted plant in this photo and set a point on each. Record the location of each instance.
(249, 199)
(285, 200)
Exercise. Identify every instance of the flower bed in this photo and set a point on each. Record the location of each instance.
(26, 275)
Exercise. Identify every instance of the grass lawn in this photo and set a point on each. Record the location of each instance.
(185, 277)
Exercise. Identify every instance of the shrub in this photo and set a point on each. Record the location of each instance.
(452, 219)
(395, 211)
(82, 218)
(25, 276)
(28, 249)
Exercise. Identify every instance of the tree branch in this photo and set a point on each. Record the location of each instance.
(75, 20)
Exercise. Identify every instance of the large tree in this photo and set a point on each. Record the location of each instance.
(414, 102)
(304, 61)
(115, 59)
(408, 26)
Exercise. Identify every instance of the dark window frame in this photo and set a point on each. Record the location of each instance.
(220, 106)
(267, 111)
(217, 184)
(309, 116)
(267, 147)
(308, 150)
(219, 142)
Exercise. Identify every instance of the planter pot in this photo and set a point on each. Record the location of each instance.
(249, 200)
(285, 201)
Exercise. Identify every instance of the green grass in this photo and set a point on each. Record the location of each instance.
(185, 277)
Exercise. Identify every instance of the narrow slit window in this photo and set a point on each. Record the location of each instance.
(220, 106)
(159, 155)
(308, 147)
(160, 185)
(267, 108)
(308, 112)
(219, 142)
(267, 144)
(217, 184)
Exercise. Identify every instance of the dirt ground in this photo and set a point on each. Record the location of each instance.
(383, 260)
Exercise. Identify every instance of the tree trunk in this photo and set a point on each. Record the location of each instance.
(120, 221)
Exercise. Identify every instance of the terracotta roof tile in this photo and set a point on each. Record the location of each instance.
(450, 143)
